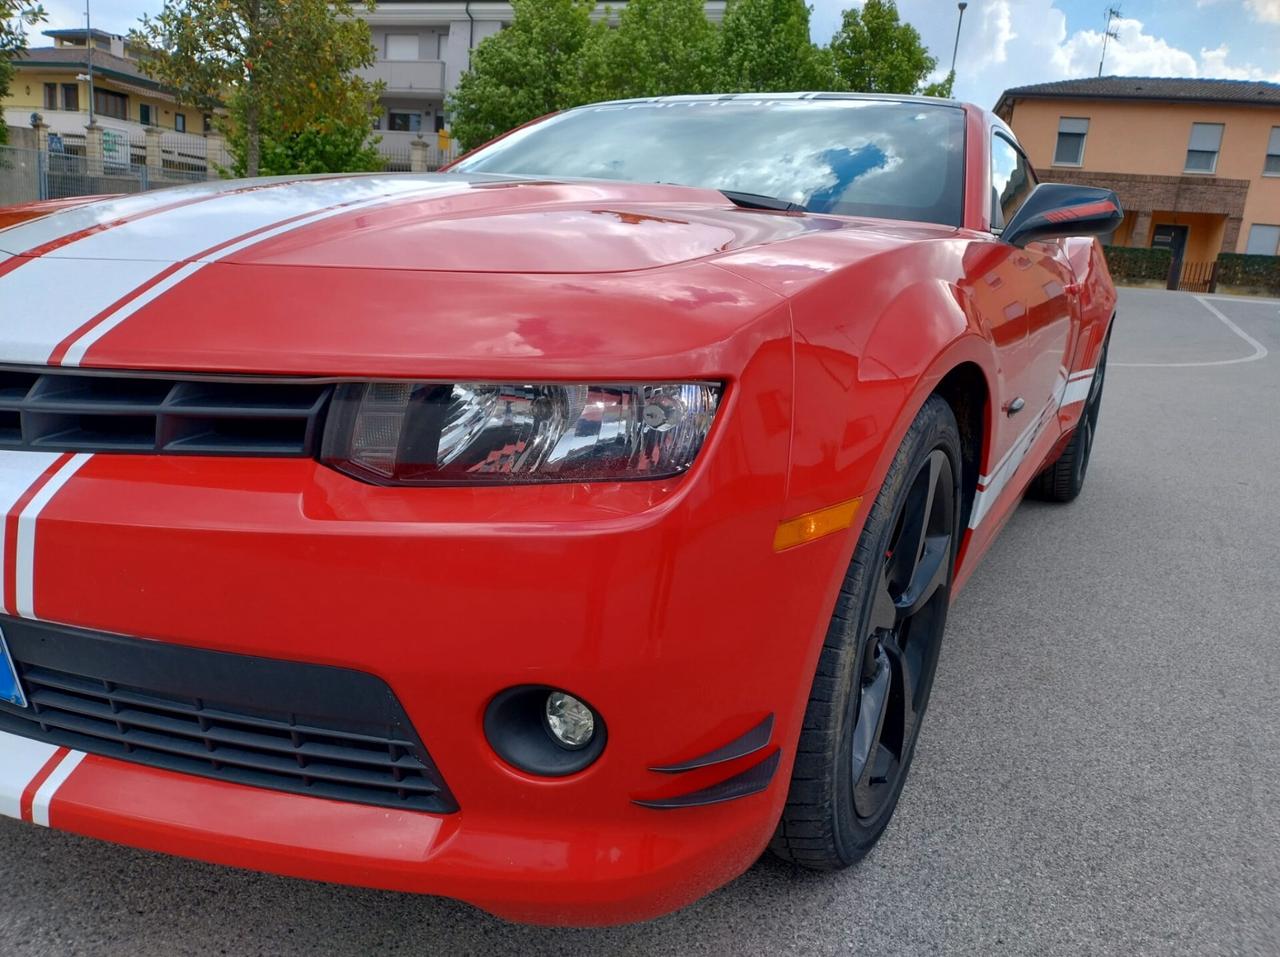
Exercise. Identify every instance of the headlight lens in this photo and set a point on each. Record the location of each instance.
(469, 433)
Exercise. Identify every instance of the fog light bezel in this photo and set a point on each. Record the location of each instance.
(515, 725)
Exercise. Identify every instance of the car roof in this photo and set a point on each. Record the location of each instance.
(713, 97)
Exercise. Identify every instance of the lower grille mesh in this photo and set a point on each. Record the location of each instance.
(377, 763)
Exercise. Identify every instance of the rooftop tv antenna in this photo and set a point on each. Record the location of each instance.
(1108, 34)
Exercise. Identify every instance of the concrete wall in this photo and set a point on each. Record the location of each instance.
(1150, 139)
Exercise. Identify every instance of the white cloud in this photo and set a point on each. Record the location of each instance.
(1213, 63)
(1132, 52)
(1268, 11)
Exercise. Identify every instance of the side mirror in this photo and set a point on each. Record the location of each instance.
(1056, 211)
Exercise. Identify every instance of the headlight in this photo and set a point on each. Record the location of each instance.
(469, 433)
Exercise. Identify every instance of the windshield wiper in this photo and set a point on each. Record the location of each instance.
(760, 201)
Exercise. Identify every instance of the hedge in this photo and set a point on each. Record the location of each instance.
(1253, 272)
(1135, 264)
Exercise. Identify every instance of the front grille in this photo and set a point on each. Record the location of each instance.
(59, 410)
(288, 726)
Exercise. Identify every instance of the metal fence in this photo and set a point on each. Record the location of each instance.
(27, 175)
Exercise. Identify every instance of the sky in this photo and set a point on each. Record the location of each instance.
(1003, 43)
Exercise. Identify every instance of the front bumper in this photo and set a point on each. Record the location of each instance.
(663, 604)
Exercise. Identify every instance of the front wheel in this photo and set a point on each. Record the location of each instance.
(877, 663)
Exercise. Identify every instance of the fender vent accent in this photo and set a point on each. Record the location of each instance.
(751, 781)
(757, 739)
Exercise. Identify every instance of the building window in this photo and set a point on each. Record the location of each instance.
(402, 46)
(404, 122)
(110, 103)
(144, 114)
(1011, 181)
(1263, 240)
(1272, 166)
(180, 122)
(71, 97)
(442, 42)
(1070, 148)
(1202, 151)
(51, 96)
(207, 119)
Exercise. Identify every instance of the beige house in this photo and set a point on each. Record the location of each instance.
(1196, 163)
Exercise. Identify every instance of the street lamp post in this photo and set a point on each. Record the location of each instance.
(88, 55)
(956, 49)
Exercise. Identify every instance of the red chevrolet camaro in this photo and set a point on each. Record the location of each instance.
(557, 532)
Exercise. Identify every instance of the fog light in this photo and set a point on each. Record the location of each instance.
(571, 723)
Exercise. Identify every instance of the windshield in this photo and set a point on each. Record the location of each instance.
(878, 158)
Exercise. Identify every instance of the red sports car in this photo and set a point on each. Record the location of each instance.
(557, 532)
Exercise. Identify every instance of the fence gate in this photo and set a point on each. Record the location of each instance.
(1193, 277)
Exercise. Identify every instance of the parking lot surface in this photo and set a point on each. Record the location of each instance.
(1099, 771)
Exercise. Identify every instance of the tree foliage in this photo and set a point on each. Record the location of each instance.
(659, 47)
(765, 48)
(553, 57)
(522, 72)
(874, 52)
(283, 68)
(15, 17)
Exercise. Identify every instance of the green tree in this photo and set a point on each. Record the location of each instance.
(283, 68)
(327, 144)
(659, 48)
(525, 71)
(765, 48)
(15, 17)
(874, 52)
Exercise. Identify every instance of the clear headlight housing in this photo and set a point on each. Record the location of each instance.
(471, 433)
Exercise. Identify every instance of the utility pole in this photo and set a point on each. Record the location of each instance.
(955, 49)
(1108, 34)
(88, 52)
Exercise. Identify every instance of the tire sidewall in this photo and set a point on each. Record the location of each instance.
(854, 836)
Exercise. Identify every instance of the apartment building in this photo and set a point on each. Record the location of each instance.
(1196, 163)
(54, 82)
(424, 46)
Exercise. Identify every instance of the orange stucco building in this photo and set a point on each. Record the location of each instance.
(1196, 163)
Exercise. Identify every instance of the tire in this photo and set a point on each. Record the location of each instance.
(1063, 479)
(860, 728)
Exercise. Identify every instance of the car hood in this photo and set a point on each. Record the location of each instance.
(432, 222)
(410, 275)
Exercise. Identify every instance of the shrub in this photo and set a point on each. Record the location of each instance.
(1134, 264)
(1254, 272)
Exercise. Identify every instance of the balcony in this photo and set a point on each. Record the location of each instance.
(408, 76)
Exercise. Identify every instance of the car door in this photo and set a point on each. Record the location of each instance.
(1026, 300)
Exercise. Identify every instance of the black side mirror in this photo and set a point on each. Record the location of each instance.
(1056, 211)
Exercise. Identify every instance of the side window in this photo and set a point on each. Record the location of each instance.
(1011, 181)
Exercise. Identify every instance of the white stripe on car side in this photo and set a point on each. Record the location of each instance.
(43, 309)
(25, 553)
(19, 470)
(1078, 387)
(21, 759)
(1071, 388)
(46, 791)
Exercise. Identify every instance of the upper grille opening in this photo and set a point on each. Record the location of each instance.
(79, 411)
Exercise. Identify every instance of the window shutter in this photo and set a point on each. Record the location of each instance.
(1205, 137)
(1073, 124)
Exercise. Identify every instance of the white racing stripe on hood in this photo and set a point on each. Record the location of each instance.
(24, 237)
(41, 308)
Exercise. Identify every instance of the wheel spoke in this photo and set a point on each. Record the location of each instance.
(870, 720)
(930, 574)
(904, 552)
(906, 677)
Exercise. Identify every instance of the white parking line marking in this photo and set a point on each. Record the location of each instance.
(1259, 350)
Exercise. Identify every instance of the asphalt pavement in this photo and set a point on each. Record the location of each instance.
(1099, 771)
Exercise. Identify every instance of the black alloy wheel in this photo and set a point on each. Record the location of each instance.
(1063, 479)
(877, 664)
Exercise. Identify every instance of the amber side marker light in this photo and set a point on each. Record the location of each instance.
(811, 525)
